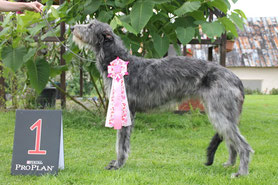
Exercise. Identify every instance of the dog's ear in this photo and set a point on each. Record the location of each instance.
(107, 35)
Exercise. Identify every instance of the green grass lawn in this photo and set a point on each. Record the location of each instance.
(165, 149)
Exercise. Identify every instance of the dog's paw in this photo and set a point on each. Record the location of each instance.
(235, 175)
(112, 165)
(209, 163)
(238, 174)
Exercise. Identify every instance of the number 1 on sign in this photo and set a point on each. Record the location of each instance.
(37, 125)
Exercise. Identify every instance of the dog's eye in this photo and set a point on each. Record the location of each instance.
(90, 26)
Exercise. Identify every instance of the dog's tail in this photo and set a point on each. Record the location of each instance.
(214, 143)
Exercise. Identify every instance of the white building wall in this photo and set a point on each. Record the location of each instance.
(269, 76)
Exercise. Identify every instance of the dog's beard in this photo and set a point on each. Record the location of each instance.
(80, 43)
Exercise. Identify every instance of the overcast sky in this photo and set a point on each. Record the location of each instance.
(258, 8)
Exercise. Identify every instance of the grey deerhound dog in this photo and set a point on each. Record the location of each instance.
(154, 82)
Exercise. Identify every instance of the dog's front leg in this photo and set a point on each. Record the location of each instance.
(122, 148)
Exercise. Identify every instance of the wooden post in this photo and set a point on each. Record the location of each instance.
(62, 62)
(210, 57)
(81, 82)
(184, 50)
(223, 50)
(2, 80)
(210, 49)
(2, 88)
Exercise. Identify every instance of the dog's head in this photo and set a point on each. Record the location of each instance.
(95, 35)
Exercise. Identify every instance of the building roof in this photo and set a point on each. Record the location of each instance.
(256, 46)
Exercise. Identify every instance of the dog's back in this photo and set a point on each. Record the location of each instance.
(157, 81)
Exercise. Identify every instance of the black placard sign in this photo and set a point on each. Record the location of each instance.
(38, 142)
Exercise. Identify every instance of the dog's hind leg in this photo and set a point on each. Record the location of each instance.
(242, 148)
(235, 142)
(214, 143)
(232, 156)
(223, 111)
(122, 147)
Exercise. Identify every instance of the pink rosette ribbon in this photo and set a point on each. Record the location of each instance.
(118, 114)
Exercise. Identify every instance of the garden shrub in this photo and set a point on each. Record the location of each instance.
(274, 91)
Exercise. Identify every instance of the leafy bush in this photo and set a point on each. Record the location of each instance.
(252, 92)
(274, 91)
(230, 36)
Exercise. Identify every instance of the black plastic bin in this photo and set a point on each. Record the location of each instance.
(47, 98)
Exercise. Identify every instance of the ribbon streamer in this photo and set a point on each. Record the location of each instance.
(118, 114)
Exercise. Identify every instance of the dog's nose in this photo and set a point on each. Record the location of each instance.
(71, 28)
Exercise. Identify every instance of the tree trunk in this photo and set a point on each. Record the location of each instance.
(2, 80)
(62, 62)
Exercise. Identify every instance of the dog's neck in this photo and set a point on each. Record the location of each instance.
(105, 56)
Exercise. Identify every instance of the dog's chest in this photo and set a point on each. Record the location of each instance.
(107, 84)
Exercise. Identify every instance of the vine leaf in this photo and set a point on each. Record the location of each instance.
(57, 70)
(31, 52)
(214, 29)
(161, 44)
(221, 5)
(116, 21)
(91, 6)
(54, 12)
(237, 20)
(185, 35)
(38, 72)
(187, 7)
(140, 14)
(13, 57)
(105, 16)
(241, 13)
(229, 25)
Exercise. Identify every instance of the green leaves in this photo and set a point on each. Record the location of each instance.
(161, 1)
(117, 22)
(188, 7)
(36, 29)
(91, 6)
(123, 3)
(56, 70)
(104, 16)
(140, 14)
(38, 72)
(185, 35)
(54, 12)
(237, 20)
(229, 25)
(161, 44)
(220, 4)
(92, 69)
(241, 13)
(13, 57)
(31, 52)
(214, 29)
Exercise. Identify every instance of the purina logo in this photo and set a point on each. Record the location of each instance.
(33, 165)
(34, 162)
